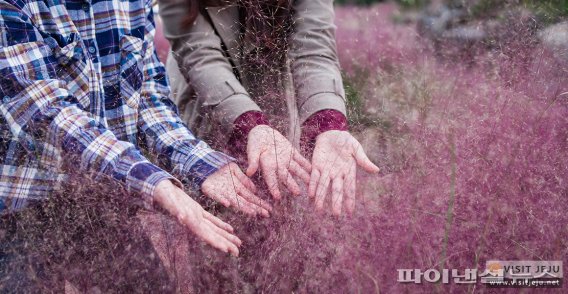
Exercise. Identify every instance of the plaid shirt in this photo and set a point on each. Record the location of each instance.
(80, 80)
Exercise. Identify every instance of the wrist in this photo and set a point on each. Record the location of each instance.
(242, 127)
(164, 185)
(321, 122)
(325, 134)
(206, 179)
(259, 128)
(163, 191)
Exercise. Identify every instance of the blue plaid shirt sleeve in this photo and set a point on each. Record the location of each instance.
(178, 150)
(43, 115)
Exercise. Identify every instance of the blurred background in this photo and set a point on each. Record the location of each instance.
(464, 106)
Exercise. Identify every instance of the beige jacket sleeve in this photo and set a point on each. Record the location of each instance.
(314, 62)
(198, 52)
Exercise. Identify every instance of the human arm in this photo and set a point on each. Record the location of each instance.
(201, 59)
(320, 94)
(200, 56)
(47, 82)
(179, 151)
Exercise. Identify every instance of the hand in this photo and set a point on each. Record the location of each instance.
(278, 160)
(230, 187)
(190, 214)
(335, 159)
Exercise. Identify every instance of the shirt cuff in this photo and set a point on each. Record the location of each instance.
(319, 122)
(242, 127)
(143, 178)
(202, 161)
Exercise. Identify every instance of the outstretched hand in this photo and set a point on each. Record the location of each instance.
(230, 187)
(334, 162)
(200, 222)
(278, 160)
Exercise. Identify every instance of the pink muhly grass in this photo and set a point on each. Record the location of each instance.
(474, 160)
(475, 167)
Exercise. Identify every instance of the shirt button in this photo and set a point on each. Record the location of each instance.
(92, 50)
(86, 6)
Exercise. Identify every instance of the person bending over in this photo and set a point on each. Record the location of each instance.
(247, 71)
(81, 81)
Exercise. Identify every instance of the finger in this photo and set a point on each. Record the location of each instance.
(351, 188)
(216, 240)
(271, 180)
(291, 184)
(313, 183)
(321, 190)
(244, 206)
(233, 250)
(246, 181)
(250, 206)
(252, 198)
(253, 161)
(364, 161)
(232, 238)
(337, 195)
(221, 199)
(297, 170)
(218, 222)
(304, 163)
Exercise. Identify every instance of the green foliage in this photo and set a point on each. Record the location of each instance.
(486, 7)
(548, 10)
(357, 2)
(356, 114)
(355, 105)
(412, 3)
(404, 3)
(545, 10)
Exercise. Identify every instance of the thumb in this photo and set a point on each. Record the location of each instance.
(253, 161)
(364, 161)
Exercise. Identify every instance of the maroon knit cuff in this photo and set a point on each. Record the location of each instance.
(242, 127)
(319, 122)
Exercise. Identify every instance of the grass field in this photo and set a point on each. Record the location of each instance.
(473, 146)
(472, 140)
